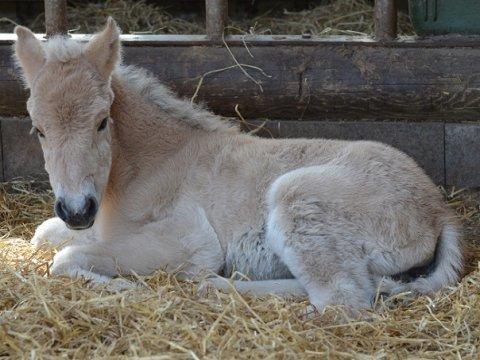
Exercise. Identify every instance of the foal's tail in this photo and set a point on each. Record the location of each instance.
(443, 270)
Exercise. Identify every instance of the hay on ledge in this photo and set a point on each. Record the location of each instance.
(339, 17)
(45, 317)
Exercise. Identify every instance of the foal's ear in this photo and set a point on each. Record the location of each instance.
(103, 51)
(29, 54)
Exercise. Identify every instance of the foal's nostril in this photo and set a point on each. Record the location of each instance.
(91, 207)
(60, 209)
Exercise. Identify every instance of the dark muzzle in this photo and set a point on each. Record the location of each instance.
(79, 218)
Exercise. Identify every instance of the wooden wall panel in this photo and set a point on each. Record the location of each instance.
(320, 80)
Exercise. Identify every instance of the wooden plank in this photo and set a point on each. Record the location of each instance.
(327, 81)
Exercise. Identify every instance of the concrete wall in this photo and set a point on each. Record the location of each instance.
(449, 152)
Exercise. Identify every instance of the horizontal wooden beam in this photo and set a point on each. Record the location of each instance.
(297, 79)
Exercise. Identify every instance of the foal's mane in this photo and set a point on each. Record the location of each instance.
(149, 87)
(141, 81)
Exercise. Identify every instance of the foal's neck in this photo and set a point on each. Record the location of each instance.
(141, 128)
(143, 138)
(152, 126)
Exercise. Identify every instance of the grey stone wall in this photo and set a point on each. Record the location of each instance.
(449, 153)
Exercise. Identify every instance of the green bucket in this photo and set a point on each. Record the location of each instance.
(439, 17)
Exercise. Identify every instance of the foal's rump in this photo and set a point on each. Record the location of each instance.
(342, 226)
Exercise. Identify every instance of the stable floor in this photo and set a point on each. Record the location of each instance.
(44, 317)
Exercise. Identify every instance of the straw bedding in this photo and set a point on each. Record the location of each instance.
(336, 17)
(44, 317)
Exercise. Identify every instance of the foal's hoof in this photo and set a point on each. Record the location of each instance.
(51, 233)
(309, 313)
(115, 285)
(119, 284)
(209, 285)
(382, 296)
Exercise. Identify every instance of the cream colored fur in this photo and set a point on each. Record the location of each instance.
(182, 190)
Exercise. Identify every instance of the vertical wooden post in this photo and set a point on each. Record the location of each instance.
(55, 17)
(385, 19)
(216, 17)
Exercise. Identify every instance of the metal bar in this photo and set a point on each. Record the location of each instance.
(216, 17)
(55, 17)
(153, 41)
(385, 19)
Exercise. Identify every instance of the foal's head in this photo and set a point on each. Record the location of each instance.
(70, 99)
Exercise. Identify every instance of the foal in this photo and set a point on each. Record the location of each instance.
(146, 181)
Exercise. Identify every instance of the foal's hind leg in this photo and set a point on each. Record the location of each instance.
(282, 287)
(313, 240)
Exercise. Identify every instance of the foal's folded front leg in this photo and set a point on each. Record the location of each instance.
(79, 256)
(92, 263)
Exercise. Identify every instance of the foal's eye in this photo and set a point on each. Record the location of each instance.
(103, 124)
(37, 132)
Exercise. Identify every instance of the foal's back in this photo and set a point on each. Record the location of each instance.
(335, 214)
(245, 168)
